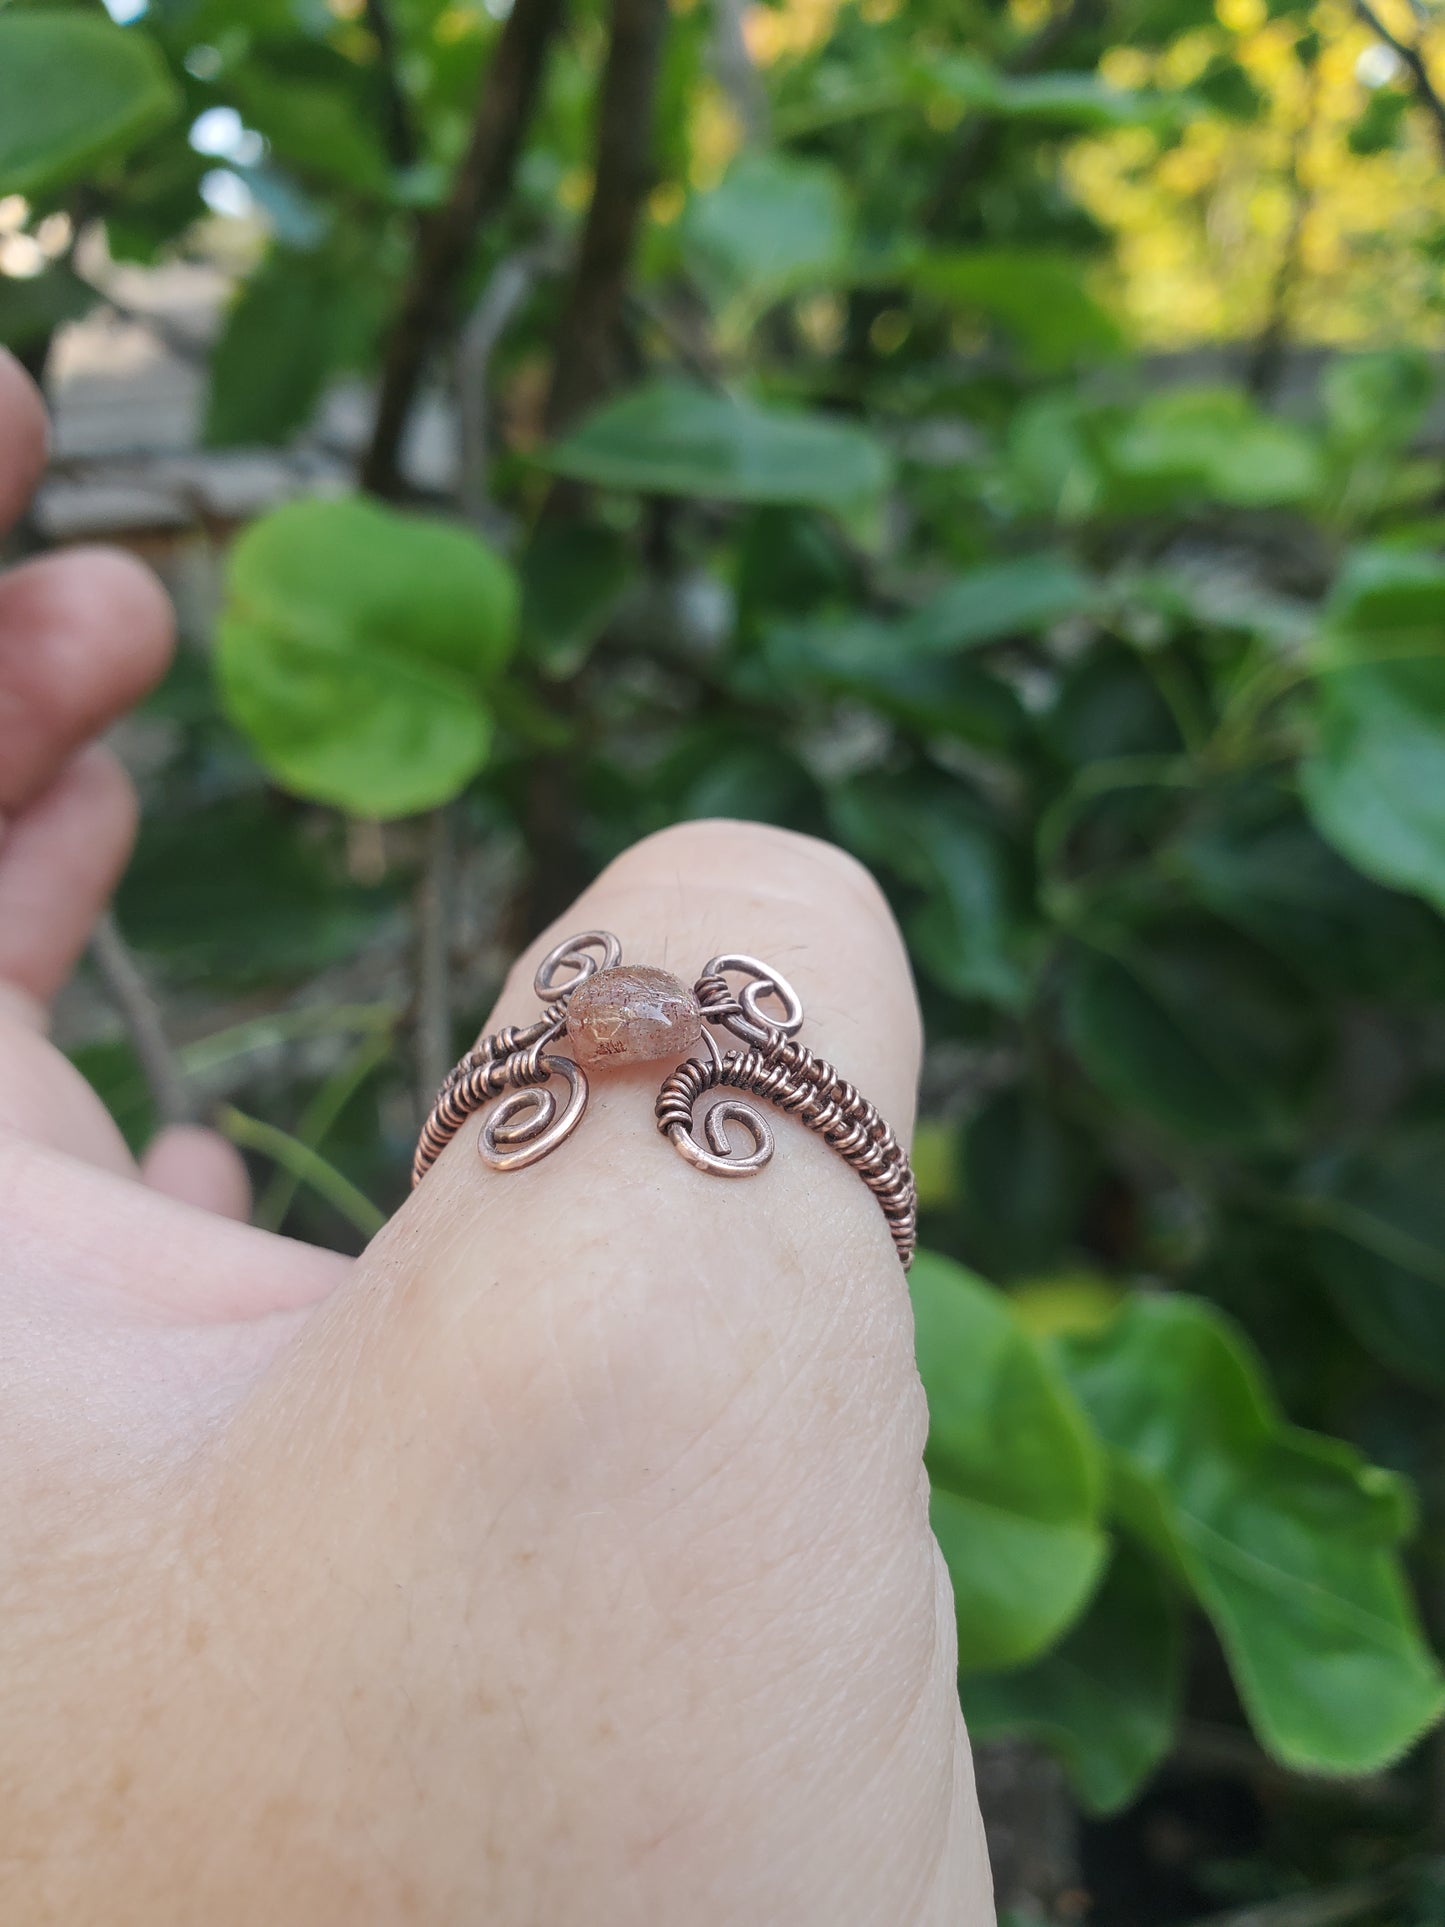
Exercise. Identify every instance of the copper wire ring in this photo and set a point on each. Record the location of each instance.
(511, 1073)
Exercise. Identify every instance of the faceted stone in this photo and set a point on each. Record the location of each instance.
(631, 1013)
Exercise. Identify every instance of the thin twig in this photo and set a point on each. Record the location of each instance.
(588, 346)
(1413, 58)
(432, 916)
(445, 238)
(254, 1134)
(507, 289)
(139, 1012)
(736, 74)
(316, 1122)
(401, 140)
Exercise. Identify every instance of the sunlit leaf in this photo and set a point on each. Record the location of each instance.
(1018, 1523)
(355, 649)
(1375, 784)
(772, 226)
(670, 438)
(75, 92)
(1288, 1540)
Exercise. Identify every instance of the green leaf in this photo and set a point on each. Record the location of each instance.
(1287, 1539)
(355, 649)
(671, 438)
(1196, 1030)
(31, 310)
(774, 226)
(870, 660)
(1216, 444)
(1106, 1700)
(573, 577)
(75, 92)
(1381, 124)
(1025, 1174)
(1077, 100)
(1037, 295)
(1019, 1527)
(970, 933)
(1376, 1218)
(1375, 784)
(237, 894)
(1383, 596)
(1254, 860)
(314, 125)
(996, 601)
(282, 339)
(1226, 89)
(1378, 399)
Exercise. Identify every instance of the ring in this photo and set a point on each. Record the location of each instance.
(609, 1013)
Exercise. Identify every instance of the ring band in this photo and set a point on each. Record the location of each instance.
(633, 1013)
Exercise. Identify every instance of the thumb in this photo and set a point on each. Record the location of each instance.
(613, 1472)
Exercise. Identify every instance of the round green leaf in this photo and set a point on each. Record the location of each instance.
(74, 91)
(1106, 1700)
(671, 438)
(1287, 1539)
(1375, 785)
(355, 648)
(1016, 1475)
(773, 225)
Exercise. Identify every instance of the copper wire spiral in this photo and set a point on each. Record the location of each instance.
(506, 1060)
(792, 1077)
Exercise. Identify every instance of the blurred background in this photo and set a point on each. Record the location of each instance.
(1003, 438)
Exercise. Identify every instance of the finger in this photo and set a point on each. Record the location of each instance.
(82, 1230)
(83, 635)
(59, 862)
(199, 1167)
(24, 438)
(656, 1439)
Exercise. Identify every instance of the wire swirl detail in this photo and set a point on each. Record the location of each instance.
(793, 1078)
(515, 1075)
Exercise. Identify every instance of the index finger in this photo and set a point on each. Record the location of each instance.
(24, 438)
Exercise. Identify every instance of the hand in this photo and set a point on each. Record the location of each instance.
(563, 1559)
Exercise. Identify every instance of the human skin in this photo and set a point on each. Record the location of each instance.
(563, 1559)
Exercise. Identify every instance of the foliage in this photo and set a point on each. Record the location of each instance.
(858, 510)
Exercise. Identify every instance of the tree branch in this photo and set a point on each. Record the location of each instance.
(401, 142)
(1414, 61)
(736, 74)
(588, 346)
(444, 238)
(127, 989)
(506, 291)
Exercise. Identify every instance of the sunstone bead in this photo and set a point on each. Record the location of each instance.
(631, 1013)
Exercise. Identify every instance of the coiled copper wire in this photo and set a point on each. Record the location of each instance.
(505, 1060)
(792, 1077)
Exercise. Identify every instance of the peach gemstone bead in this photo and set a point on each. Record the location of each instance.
(630, 1013)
